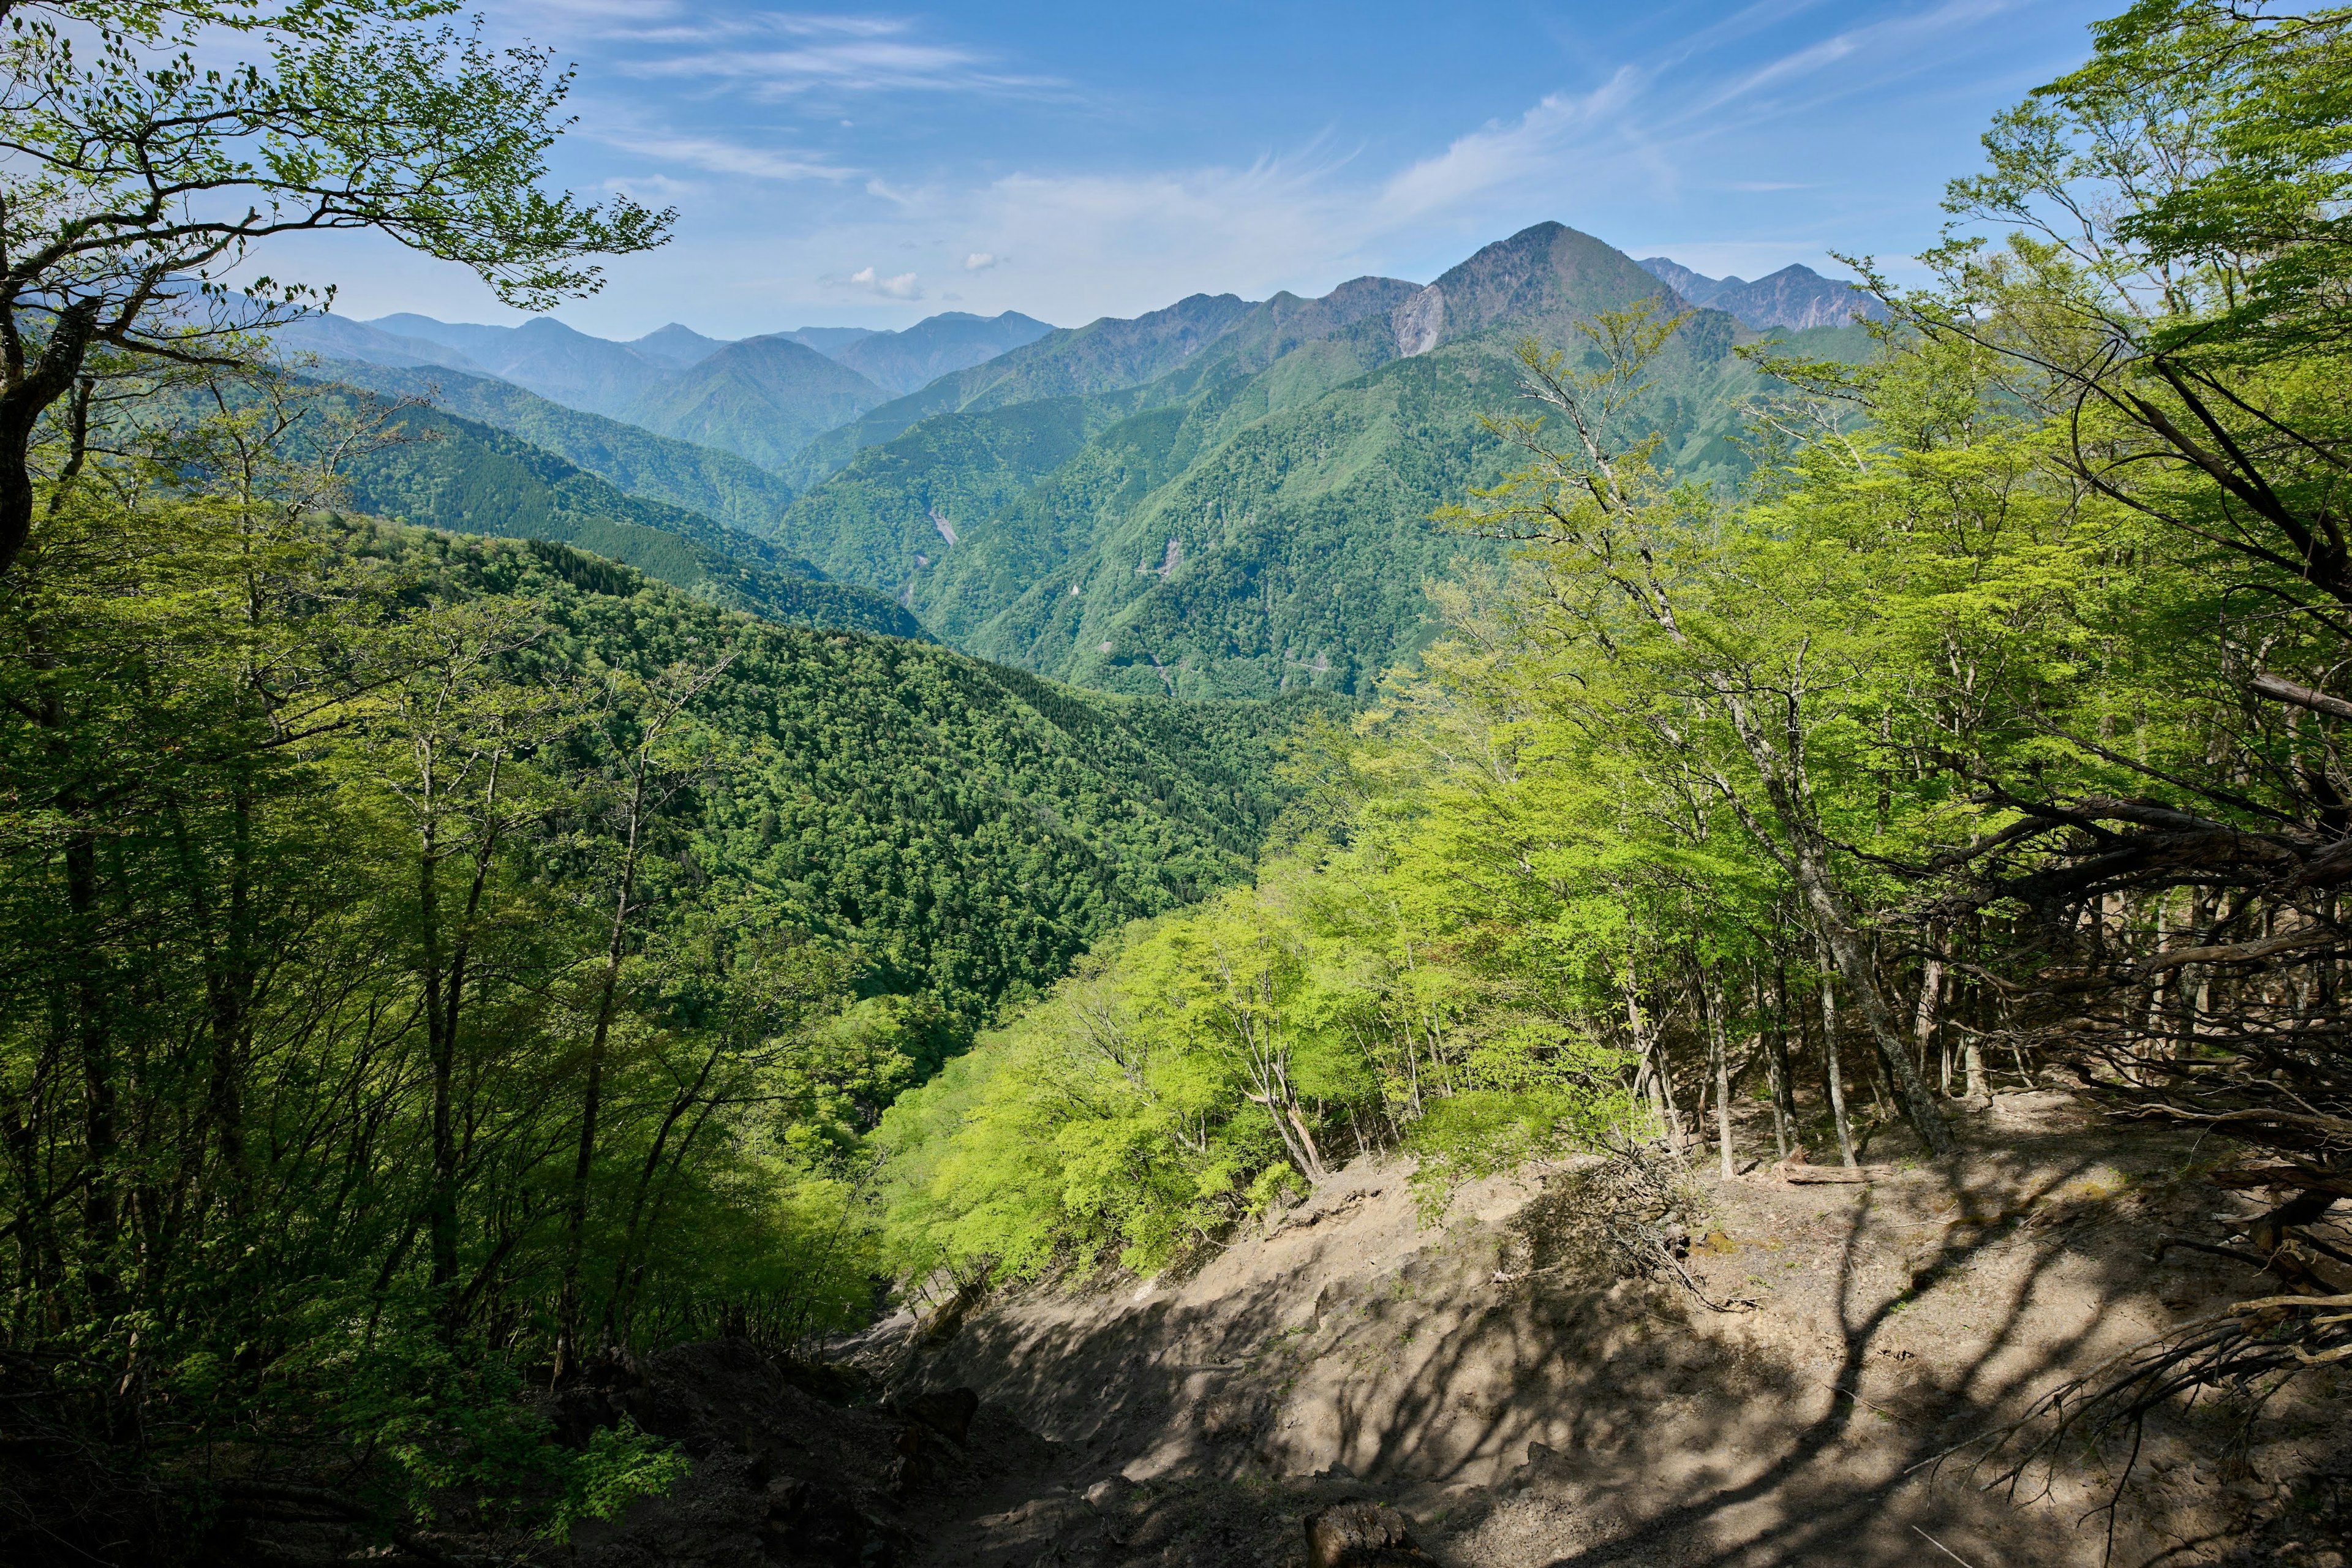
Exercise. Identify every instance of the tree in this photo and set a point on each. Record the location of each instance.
(139, 177)
(1713, 641)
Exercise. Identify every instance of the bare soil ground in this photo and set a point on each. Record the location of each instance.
(1523, 1407)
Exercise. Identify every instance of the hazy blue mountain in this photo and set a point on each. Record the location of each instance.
(718, 485)
(556, 362)
(829, 341)
(908, 361)
(764, 399)
(677, 346)
(1696, 288)
(472, 338)
(1795, 297)
(341, 338)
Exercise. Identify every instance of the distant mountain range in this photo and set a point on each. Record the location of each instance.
(1223, 497)
(1231, 498)
(1794, 297)
(763, 398)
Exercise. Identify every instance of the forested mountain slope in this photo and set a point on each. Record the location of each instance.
(967, 829)
(464, 477)
(763, 398)
(901, 507)
(720, 486)
(1108, 355)
(1256, 516)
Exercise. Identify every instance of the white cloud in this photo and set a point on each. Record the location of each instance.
(839, 54)
(902, 287)
(1496, 156)
(980, 261)
(729, 157)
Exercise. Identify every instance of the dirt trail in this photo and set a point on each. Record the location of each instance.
(1556, 1418)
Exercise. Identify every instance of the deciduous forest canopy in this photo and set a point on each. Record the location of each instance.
(436, 958)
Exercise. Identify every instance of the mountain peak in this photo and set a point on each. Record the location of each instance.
(1547, 273)
(1796, 297)
(677, 346)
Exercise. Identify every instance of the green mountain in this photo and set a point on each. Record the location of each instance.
(1255, 518)
(898, 510)
(719, 485)
(464, 477)
(763, 398)
(1108, 355)
(969, 828)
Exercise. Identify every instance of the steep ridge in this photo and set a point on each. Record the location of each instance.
(1545, 276)
(761, 398)
(880, 521)
(462, 477)
(1110, 354)
(1796, 297)
(719, 485)
(1257, 517)
(888, 516)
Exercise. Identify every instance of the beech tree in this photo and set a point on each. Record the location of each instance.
(139, 174)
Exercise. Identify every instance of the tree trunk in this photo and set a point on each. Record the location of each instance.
(1851, 963)
(21, 406)
(441, 1197)
(1719, 1062)
(1832, 1077)
(1652, 1071)
(1923, 1017)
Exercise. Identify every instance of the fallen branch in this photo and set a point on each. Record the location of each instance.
(1831, 1175)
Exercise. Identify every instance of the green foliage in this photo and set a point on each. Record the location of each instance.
(452, 474)
(619, 1466)
(1253, 517)
(730, 490)
(363, 879)
(1214, 1059)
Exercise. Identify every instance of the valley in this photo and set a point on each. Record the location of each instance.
(1224, 498)
(1572, 908)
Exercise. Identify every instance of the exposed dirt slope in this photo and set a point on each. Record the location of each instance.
(1558, 1415)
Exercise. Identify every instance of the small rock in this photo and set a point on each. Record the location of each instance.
(947, 1412)
(1106, 1494)
(1362, 1535)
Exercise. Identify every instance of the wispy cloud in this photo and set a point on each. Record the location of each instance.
(729, 157)
(982, 260)
(776, 57)
(1496, 155)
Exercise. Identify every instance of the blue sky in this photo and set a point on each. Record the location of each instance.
(1080, 160)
